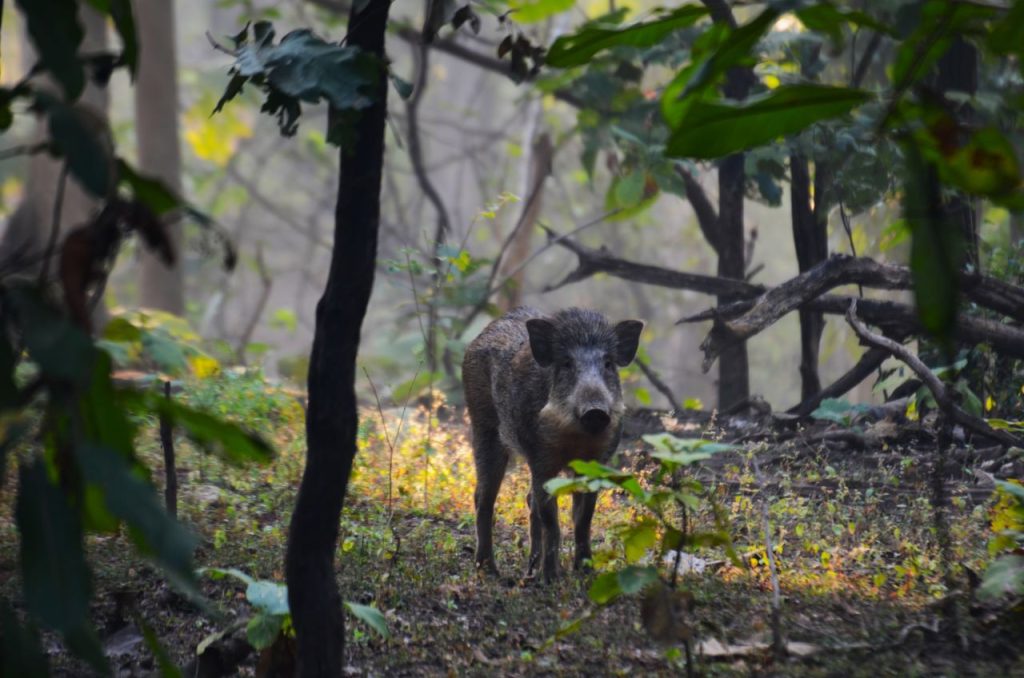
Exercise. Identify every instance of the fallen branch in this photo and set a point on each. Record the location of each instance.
(934, 384)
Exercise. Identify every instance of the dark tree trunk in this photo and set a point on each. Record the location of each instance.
(331, 417)
(733, 371)
(810, 231)
(958, 72)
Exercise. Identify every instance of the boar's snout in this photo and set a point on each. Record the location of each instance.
(595, 420)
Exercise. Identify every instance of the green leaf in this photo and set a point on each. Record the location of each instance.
(122, 330)
(87, 155)
(152, 530)
(558, 487)
(825, 17)
(21, 653)
(643, 396)
(227, 440)
(734, 47)
(637, 539)
(160, 347)
(579, 48)
(936, 251)
(371, 616)
(151, 192)
(1013, 489)
(532, 11)
(168, 669)
(715, 129)
(1005, 35)
(263, 629)
(1004, 577)
(61, 350)
(268, 597)
(838, 410)
(605, 588)
(219, 573)
(121, 12)
(55, 578)
(629, 580)
(402, 86)
(56, 33)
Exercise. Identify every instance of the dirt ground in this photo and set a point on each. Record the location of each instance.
(860, 572)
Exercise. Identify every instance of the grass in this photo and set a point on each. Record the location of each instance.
(859, 569)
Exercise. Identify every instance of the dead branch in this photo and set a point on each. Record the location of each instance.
(266, 283)
(707, 218)
(864, 368)
(657, 383)
(593, 261)
(934, 384)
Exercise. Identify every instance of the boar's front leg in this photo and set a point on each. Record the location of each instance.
(582, 514)
(491, 461)
(545, 507)
(535, 537)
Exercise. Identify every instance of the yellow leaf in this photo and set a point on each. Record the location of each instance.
(215, 138)
(204, 366)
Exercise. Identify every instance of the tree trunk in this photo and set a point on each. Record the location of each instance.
(810, 238)
(331, 419)
(538, 166)
(28, 229)
(156, 129)
(733, 371)
(958, 72)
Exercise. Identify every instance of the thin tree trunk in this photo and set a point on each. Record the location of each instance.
(538, 166)
(331, 419)
(733, 370)
(958, 72)
(156, 120)
(809, 237)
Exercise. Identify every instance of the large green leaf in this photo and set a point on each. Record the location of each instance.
(134, 501)
(716, 129)
(61, 350)
(21, 654)
(87, 155)
(579, 48)
(824, 17)
(936, 252)
(228, 440)
(268, 597)
(631, 579)
(1004, 577)
(54, 575)
(263, 629)
(150, 191)
(532, 11)
(371, 616)
(56, 33)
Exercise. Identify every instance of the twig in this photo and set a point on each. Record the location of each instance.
(660, 385)
(778, 644)
(387, 437)
(170, 472)
(26, 149)
(267, 282)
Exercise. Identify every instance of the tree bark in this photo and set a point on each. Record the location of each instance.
(958, 72)
(538, 167)
(156, 130)
(810, 238)
(331, 419)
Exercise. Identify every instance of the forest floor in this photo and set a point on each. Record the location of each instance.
(860, 573)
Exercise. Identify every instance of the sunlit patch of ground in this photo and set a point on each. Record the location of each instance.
(854, 538)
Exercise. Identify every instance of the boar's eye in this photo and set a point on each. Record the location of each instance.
(608, 363)
(567, 363)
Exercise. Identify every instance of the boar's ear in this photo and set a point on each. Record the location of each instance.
(627, 333)
(542, 340)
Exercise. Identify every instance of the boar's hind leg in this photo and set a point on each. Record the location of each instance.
(582, 514)
(491, 460)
